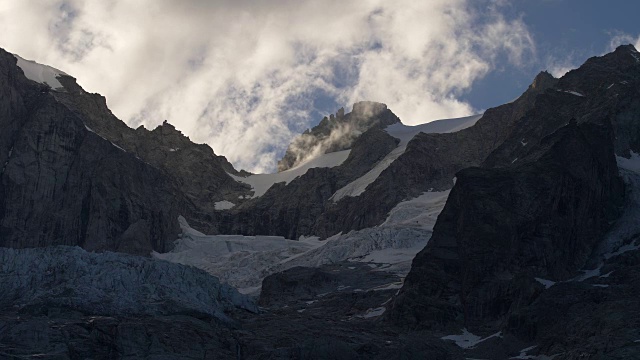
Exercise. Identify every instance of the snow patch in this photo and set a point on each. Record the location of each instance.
(621, 250)
(610, 86)
(39, 73)
(632, 163)
(117, 147)
(588, 274)
(104, 138)
(547, 283)
(572, 92)
(606, 275)
(392, 286)
(404, 133)
(467, 340)
(370, 313)
(523, 142)
(523, 353)
(223, 205)
(260, 183)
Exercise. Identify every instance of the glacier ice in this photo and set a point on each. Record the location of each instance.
(111, 284)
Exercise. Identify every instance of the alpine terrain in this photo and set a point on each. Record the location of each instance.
(512, 234)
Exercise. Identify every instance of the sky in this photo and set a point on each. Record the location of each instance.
(246, 76)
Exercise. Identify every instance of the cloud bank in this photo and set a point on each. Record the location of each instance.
(245, 76)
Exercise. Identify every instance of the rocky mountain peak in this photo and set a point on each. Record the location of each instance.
(337, 132)
(603, 72)
(543, 80)
(367, 109)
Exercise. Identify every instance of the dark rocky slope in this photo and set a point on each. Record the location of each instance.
(539, 207)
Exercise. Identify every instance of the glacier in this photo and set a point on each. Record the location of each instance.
(111, 284)
(244, 261)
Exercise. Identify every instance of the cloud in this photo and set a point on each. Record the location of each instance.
(243, 75)
(621, 38)
(559, 66)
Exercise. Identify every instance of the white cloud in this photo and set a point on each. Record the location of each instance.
(242, 75)
(619, 38)
(558, 67)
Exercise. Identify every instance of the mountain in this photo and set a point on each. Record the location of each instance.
(508, 234)
(536, 208)
(337, 132)
(74, 174)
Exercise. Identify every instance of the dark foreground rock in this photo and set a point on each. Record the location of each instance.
(501, 228)
(512, 251)
(68, 335)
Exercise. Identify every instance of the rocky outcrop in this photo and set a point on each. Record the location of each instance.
(337, 132)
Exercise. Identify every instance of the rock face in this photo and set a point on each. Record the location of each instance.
(337, 132)
(74, 174)
(538, 207)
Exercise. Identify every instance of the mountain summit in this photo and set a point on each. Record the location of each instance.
(337, 132)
